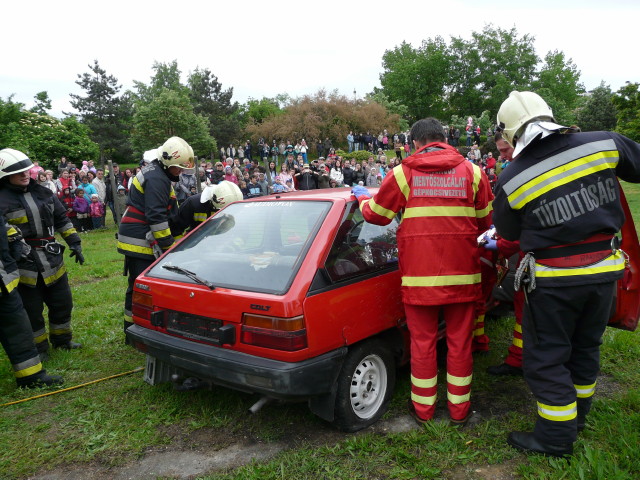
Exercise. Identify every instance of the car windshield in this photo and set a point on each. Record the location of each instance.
(252, 246)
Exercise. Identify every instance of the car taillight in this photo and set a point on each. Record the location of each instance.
(286, 334)
(142, 305)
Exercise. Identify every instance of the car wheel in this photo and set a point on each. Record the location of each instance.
(365, 386)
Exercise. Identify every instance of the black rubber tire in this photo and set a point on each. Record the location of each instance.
(365, 385)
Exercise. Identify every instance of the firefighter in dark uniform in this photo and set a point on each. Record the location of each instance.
(16, 334)
(197, 208)
(38, 214)
(561, 199)
(144, 229)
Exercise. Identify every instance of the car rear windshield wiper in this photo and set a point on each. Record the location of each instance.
(190, 274)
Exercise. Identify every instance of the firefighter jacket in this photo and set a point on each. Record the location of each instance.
(151, 199)
(561, 199)
(446, 202)
(9, 274)
(38, 213)
(189, 215)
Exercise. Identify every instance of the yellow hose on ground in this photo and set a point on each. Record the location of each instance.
(139, 369)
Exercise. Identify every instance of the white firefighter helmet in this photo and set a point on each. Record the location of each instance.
(176, 152)
(519, 109)
(221, 194)
(13, 161)
(150, 155)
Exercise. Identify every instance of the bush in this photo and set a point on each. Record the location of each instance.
(359, 156)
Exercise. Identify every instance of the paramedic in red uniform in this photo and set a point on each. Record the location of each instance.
(445, 204)
(561, 199)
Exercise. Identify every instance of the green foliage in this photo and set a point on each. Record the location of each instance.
(10, 113)
(167, 114)
(597, 111)
(627, 103)
(45, 139)
(259, 110)
(360, 155)
(42, 103)
(166, 77)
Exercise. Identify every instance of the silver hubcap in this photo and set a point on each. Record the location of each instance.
(368, 386)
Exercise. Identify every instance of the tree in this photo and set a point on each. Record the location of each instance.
(42, 103)
(107, 115)
(210, 100)
(391, 106)
(10, 113)
(598, 111)
(166, 76)
(417, 78)
(170, 113)
(260, 110)
(627, 103)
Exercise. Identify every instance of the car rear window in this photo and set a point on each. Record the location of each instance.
(251, 246)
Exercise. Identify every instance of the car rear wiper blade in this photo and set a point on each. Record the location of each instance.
(190, 274)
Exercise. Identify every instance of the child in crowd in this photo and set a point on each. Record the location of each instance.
(278, 187)
(81, 207)
(371, 180)
(244, 189)
(67, 199)
(96, 211)
(120, 202)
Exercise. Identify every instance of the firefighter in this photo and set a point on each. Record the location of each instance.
(16, 334)
(197, 208)
(144, 229)
(38, 214)
(446, 204)
(561, 199)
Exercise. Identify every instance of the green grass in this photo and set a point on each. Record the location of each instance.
(119, 420)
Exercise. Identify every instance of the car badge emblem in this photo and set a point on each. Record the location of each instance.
(191, 295)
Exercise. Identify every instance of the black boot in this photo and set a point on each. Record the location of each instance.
(70, 345)
(527, 442)
(504, 369)
(40, 379)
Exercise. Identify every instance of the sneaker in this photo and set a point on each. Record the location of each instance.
(38, 380)
(414, 414)
(67, 345)
(504, 369)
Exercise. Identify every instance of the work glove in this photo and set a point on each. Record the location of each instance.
(76, 251)
(491, 243)
(19, 250)
(360, 192)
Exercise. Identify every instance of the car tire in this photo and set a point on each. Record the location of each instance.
(365, 385)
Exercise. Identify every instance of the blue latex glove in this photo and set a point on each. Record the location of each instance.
(360, 191)
(491, 244)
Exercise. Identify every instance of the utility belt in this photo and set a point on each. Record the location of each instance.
(47, 244)
(592, 250)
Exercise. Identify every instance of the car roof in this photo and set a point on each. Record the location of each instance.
(333, 194)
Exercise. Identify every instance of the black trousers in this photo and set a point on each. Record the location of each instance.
(133, 267)
(561, 359)
(57, 298)
(16, 335)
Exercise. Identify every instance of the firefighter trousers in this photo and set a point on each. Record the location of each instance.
(16, 336)
(57, 297)
(422, 321)
(133, 267)
(562, 333)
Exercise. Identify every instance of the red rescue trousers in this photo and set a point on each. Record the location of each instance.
(422, 321)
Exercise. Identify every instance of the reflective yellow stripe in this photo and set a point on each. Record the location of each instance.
(136, 183)
(12, 284)
(558, 413)
(533, 188)
(66, 233)
(422, 400)
(517, 342)
(518, 328)
(612, 263)
(55, 276)
(28, 280)
(128, 318)
(458, 399)
(199, 217)
(28, 371)
(381, 210)
(585, 391)
(478, 332)
(11, 231)
(484, 211)
(424, 382)
(162, 233)
(18, 220)
(414, 212)
(178, 237)
(477, 175)
(401, 180)
(135, 248)
(363, 203)
(41, 338)
(441, 280)
(459, 381)
(479, 319)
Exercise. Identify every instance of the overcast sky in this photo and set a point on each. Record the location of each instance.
(296, 47)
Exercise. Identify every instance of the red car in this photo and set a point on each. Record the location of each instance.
(291, 296)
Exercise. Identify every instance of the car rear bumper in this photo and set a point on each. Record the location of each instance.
(241, 371)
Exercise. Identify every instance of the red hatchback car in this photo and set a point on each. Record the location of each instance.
(290, 296)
